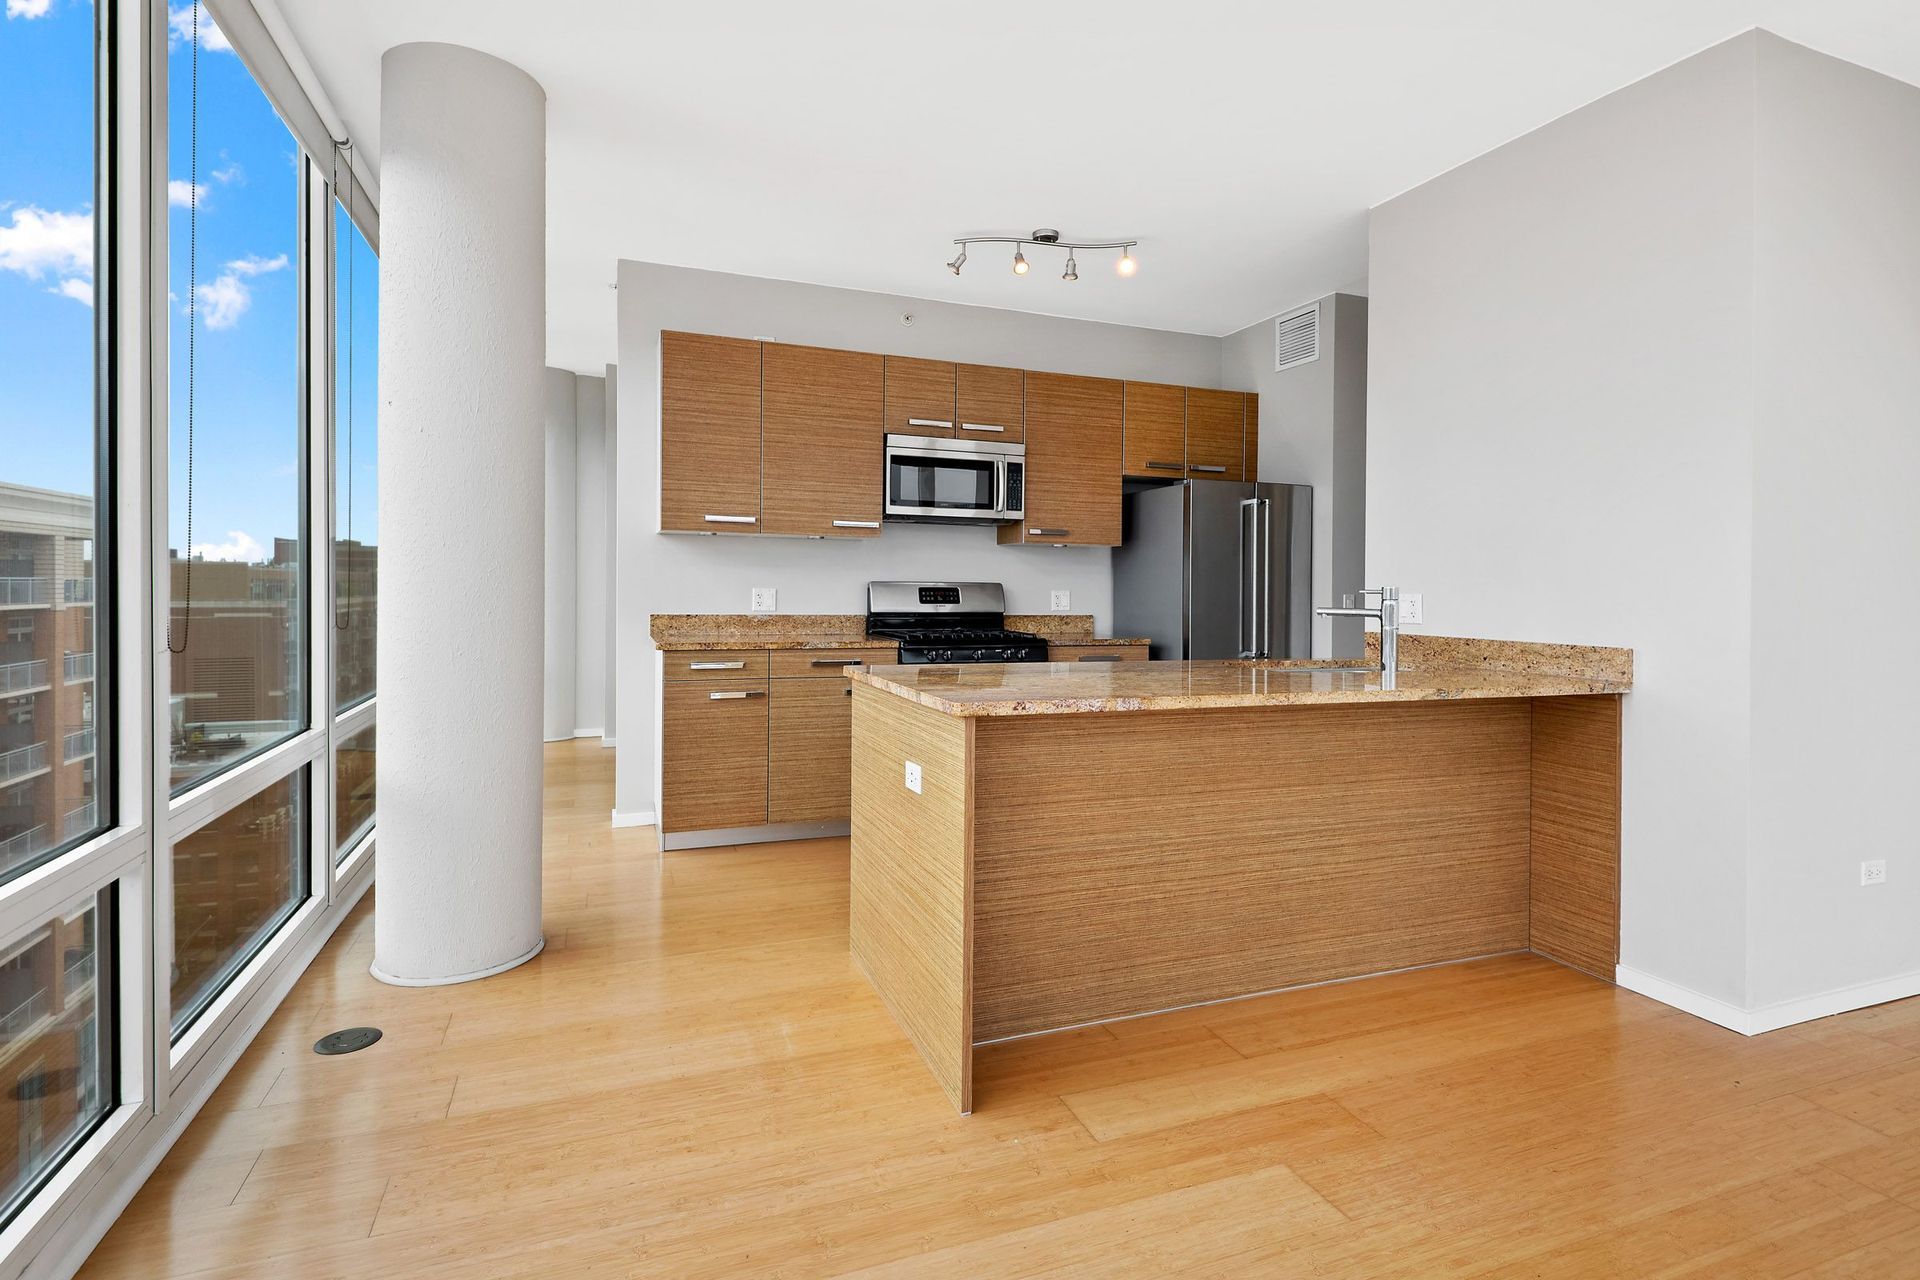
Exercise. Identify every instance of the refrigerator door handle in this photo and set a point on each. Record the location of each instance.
(1249, 577)
(1264, 537)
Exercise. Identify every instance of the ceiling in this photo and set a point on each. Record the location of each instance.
(849, 143)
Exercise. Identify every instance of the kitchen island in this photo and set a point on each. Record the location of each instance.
(1045, 845)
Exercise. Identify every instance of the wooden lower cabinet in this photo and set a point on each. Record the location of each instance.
(811, 726)
(713, 761)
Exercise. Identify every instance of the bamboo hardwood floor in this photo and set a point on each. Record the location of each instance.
(694, 1081)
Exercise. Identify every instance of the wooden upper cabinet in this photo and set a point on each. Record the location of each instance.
(1216, 434)
(919, 396)
(1074, 428)
(1250, 468)
(709, 433)
(1156, 431)
(990, 403)
(822, 434)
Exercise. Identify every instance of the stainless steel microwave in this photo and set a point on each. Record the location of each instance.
(936, 478)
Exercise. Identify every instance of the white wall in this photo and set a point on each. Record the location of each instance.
(678, 573)
(1313, 430)
(561, 532)
(1560, 409)
(593, 494)
(1836, 526)
(610, 677)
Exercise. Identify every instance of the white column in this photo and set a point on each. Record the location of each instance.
(562, 596)
(462, 466)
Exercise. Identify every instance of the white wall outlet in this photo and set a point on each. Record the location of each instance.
(1346, 601)
(1873, 871)
(1062, 601)
(763, 599)
(1410, 608)
(913, 777)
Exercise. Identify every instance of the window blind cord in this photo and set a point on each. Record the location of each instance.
(193, 322)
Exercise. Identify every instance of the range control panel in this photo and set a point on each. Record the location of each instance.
(939, 595)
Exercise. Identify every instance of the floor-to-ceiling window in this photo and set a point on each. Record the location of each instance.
(55, 671)
(356, 522)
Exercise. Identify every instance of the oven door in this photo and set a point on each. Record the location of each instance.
(929, 478)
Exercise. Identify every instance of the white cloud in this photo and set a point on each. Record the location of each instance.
(231, 173)
(227, 297)
(238, 546)
(180, 29)
(28, 8)
(180, 194)
(40, 241)
(79, 290)
(258, 266)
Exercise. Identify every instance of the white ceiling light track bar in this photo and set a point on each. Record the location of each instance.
(1047, 236)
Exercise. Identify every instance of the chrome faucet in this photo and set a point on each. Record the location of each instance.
(1389, 615)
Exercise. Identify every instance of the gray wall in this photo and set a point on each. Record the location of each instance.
(578, 500)
(1646, 377)
(678, 573)
(1313, 430)
(561, 533)
(1836, 526)
(1560, 409)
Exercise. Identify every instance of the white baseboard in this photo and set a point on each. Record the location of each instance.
(638, 818)
(1787, 1013)
(88, 1223)
(589, 733)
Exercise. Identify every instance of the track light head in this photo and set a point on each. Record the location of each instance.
(1126, 266)
(1019, 263)
(1072, 272)
(959, 260)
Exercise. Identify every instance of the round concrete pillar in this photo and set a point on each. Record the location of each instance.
(462, 464)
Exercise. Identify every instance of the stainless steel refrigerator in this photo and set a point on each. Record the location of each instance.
(1217, 569)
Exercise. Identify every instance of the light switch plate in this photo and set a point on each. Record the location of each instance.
(1410, 608)
(763, 599)
(913, 777)
(1062, 601)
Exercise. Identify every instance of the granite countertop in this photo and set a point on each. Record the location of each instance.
(1439, 668)
(683, 632)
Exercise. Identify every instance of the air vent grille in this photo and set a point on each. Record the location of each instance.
(1296, 338)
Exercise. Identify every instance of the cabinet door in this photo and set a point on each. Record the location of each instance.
(919, 397)
(1250, 468)
(713, 755)
(811, 755)
(1073, 462)
(709, 433)
(821, 424)
(990, 403)
(1216, 434)
(1156, 430)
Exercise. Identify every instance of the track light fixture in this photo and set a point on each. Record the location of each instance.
(1046, 236)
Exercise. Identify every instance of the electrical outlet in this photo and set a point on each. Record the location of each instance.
(763, 599)
(1346, 601)
(1873, 871)
(1410, 608)
(1062, 601)
(913, 777)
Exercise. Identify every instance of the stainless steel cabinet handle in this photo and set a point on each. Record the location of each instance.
(838, 662)
(716, 666)
(979, 426)
(731, 519)
(1167, 466)
(1049, 533)
(946, 423)
(1100, 657)
(1200, 468)
(856, 524)
(744, 693)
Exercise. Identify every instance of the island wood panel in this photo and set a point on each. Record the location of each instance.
(713, 757)
(822, 440)
(1130, 863)
(987, 397)
(709, 433)
(910, 921)
(1156, 430)
(919, 392)
(1576, 832)
(1074, 428)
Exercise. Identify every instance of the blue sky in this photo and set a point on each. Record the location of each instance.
(247, 488)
